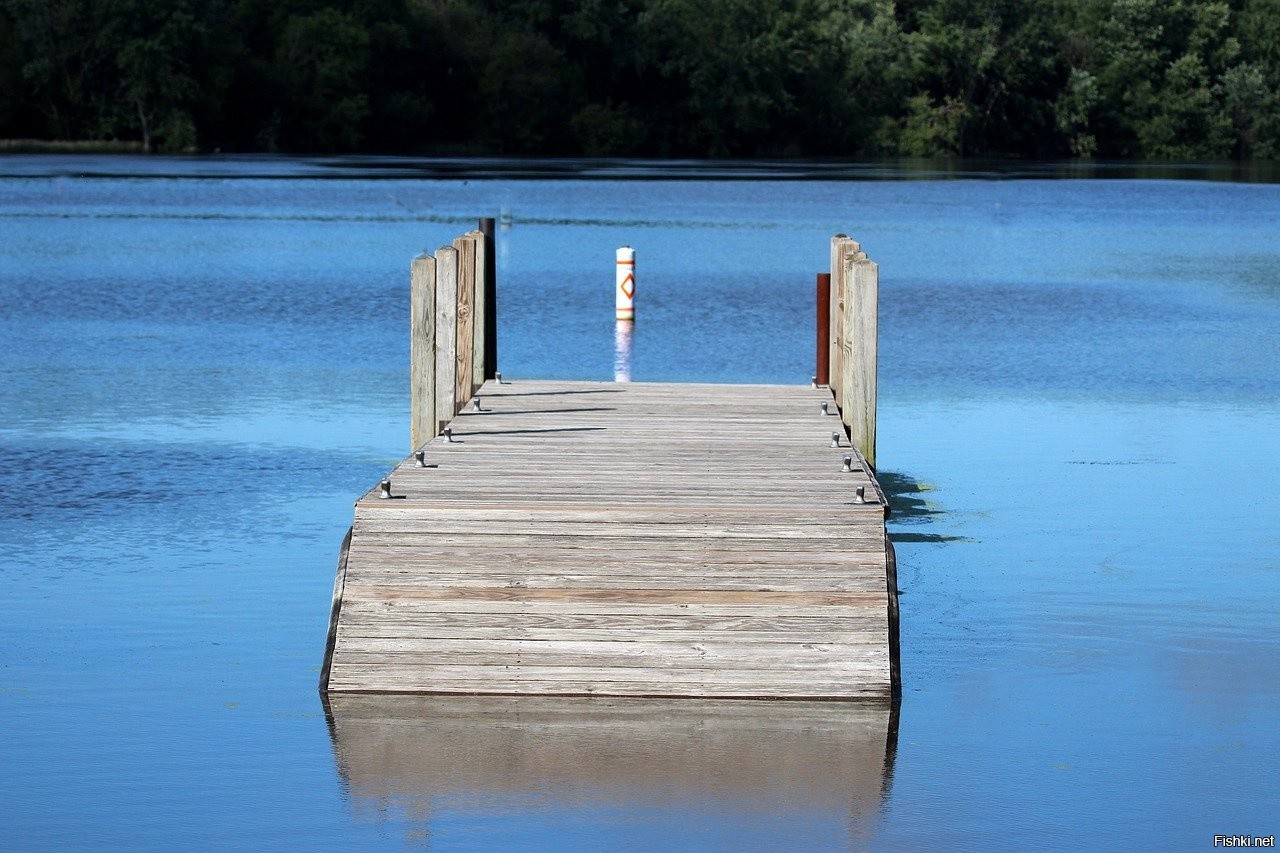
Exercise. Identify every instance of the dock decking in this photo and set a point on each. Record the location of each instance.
(587, 538)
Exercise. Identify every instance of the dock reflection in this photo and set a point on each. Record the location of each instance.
(409, 760)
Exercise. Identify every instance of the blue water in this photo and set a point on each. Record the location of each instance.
(203, 363)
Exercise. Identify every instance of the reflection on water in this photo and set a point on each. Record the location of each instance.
(622, 336)
(438, 763)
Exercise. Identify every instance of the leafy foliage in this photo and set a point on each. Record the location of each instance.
(1148, 79)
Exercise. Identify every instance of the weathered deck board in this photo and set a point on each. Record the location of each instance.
(622, 539)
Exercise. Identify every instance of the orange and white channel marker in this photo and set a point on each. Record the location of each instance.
(625, 293)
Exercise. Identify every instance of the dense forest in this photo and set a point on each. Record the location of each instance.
(1138, 79)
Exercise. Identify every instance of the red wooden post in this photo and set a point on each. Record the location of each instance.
(821, 374)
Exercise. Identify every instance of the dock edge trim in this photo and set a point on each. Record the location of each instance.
(895, 650)
(335, 610)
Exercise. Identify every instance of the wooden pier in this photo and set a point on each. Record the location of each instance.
(621, 539)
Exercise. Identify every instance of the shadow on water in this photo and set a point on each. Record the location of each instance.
(434, 757)
(908, 507)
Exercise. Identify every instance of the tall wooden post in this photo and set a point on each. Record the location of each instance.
(841, 248)
(836, 331)
(490, 299)
(833, 364)
(478, 345)
(422, 351)
(446, 336)
(465, 246)
(823, 353)
(861, 331)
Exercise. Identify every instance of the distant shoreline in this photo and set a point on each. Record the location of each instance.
(70, 146)
(113, 158)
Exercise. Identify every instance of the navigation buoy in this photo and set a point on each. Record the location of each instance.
(625, 292)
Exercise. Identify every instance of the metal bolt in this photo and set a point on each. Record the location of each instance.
(448, 435)
(860, 495)
(824, 408)
(384, 488)
(835, 439)
(813, 383)
(497, 375)
(421, 456)
(475, 404)
(848, 464)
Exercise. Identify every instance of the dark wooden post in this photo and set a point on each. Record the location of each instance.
(478, 348)
(821, 372)
(490, 299)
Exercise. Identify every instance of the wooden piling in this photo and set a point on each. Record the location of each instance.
(861, 330)
(479, 346)
(841, 247)
(823, 354)
(422, 351)
(834, 318)
(465, 246)
(446, 335)
(452, 331)
(490, 299)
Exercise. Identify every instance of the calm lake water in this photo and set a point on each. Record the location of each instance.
(204, 362)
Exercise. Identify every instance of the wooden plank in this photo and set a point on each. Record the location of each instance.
(658, 684)
(401, 619)
(428, 525)
(410, 610)
(422, 351)
(446, 335)
(509, 549)
(628, 651)
(568, 655)
(684, 598)
(432, 573)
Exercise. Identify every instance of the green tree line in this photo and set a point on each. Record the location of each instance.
(1135, 79)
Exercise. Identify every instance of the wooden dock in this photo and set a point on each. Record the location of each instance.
(622, 539)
